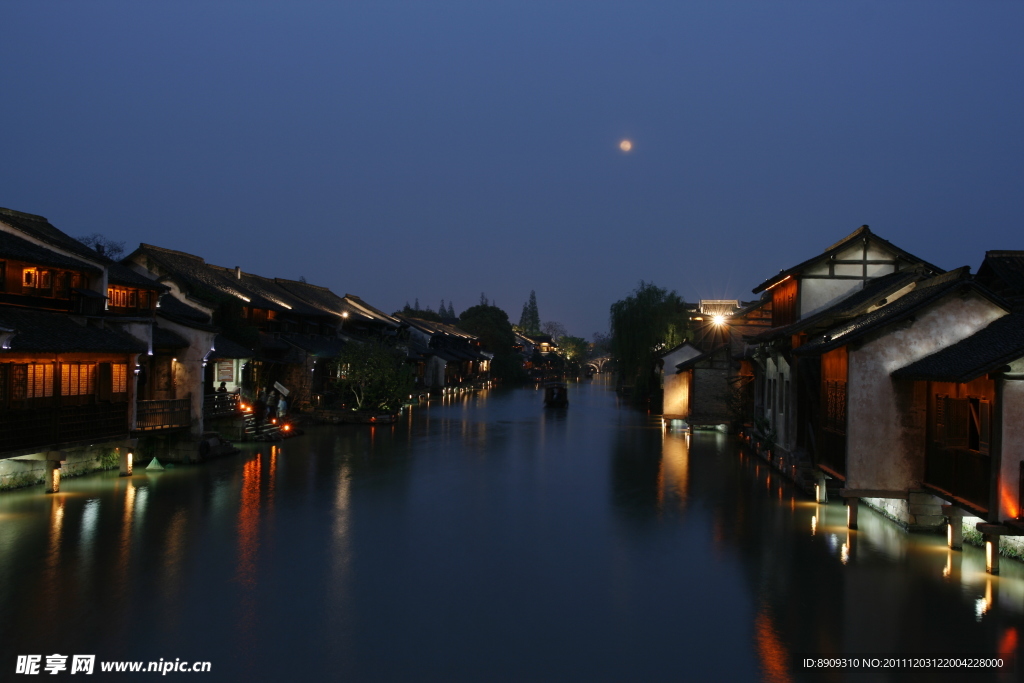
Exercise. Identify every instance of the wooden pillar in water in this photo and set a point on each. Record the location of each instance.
(955, 529)
(991, 553)
(126, 462)
(852, 506)
(51, 482)
(820, 492)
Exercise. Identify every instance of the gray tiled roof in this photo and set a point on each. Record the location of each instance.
(175, 308)
(14, 247)
(858, 301)
(225, 348)
(984, 351)
(924, 294)
(168, 339)
(120, 274)
(1003, 271)
(691, 362)
(59, 333)
(41, 229)
(315, 345)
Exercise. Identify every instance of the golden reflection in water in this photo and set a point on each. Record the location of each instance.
(844, 551)
(249, 522)
(124, 546)
(170, 580)
(983, 604)
(770, 651)
(814, 525)
(1008, 642)
(339, 596)
(51, 567)
(249, 542)
(271, 475)
(674, 469)
(947, 571)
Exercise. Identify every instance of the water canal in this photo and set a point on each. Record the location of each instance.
(485, 539)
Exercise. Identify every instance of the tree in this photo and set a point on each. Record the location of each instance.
(529, 321)
(554, 329)
(647, 321)
(572, 348)
(374, 373)
(104, 246)
(491, 324)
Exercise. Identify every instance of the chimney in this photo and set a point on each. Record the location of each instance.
(238, 273)
(99, 249)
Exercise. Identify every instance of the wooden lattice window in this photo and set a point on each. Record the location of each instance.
(19, 382)
(835, 406)
(39, 380)
(77, 379)
(119, 378)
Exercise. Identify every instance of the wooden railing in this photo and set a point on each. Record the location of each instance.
(175, 413)
(962, 472)
(221, 405)
(47, 427)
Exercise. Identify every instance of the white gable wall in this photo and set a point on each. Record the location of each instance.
(886, 420)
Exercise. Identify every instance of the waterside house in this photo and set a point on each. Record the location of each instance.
(886, 380)
(445, 357)
(73, 325)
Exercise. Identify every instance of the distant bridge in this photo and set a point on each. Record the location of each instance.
(598, 363)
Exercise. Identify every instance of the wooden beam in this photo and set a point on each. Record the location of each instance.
(872, 493)
(1000, 529)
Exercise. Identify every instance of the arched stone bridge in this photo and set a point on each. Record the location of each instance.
(598, 363)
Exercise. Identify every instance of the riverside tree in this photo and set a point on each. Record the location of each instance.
(492, 325)
(529, 321)
(374, 375)
(646, 322)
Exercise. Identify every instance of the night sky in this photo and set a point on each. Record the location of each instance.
(440, 150)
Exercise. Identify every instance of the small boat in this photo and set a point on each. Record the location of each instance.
(556, 394)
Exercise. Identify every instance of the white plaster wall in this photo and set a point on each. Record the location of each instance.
(190, 367)
(816, 294)
(776, 369)
(671, 360)
(676, 398)
(879, 454)
(434, 375)
(1012, 444)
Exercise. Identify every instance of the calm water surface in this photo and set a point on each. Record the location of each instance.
(485, 540)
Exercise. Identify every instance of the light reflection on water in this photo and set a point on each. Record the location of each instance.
(483, 538)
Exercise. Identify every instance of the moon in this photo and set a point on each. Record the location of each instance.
(625, 145)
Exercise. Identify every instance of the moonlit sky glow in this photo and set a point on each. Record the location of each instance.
(439, 150)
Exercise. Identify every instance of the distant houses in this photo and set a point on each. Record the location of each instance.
(869, 373)
(101, 361)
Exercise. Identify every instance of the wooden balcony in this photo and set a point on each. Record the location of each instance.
(52, 427)
(152, 416)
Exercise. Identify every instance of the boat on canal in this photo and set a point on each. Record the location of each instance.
(556, 394)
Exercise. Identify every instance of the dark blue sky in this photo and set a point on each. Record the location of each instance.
(403, 150)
